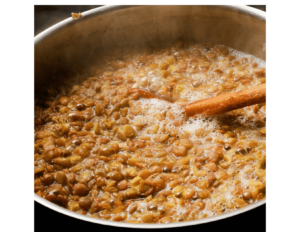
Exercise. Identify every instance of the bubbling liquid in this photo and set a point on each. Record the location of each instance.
(103, 152)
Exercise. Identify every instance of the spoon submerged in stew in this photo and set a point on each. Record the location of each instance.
(220, 104)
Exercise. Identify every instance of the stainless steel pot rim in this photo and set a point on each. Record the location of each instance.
(106, 9)
(103, 10)
(144, 226)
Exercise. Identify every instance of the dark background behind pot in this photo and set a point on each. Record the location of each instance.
(45, 218)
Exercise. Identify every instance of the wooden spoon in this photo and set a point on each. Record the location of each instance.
(227, 102)
(220, 104)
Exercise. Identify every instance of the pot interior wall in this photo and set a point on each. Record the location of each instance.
(124, 28)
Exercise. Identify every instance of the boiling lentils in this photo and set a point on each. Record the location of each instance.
(107, 153)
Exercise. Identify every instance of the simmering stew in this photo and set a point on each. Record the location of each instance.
(104, 151)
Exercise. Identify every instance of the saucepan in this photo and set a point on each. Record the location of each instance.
(71, 44)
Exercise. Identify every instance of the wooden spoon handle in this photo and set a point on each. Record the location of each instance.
(227, 102)
(142, 93)
(145, 94)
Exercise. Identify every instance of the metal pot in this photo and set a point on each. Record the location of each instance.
(70, 45)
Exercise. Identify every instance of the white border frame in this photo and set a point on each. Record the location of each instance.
(102, 10)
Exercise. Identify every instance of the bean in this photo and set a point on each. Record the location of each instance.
(177, 123)
(128, 131)
(124, 111)
(135, 110)
(262, 80)
(188, 192)
(170, 59)
(61, 142)
(247, 195)
(178, 191)
(51, 198)
(170, 115)
(203, 194)
(212, 157)
(211, 55)
(185, 173)
(80, 106)
(122, 185)
(262, 131)
(100, 181)
(229, 134)
(65, 128)
(132, 208)
(64, 162)
(229, 86)
(64, 100)
(99, 109)
(208, 139)
(186, 143)
(203, 184)
(222, 175)
(85, 176)
(106, 150)
(163, 138)
(158, 184)
(145, 174)
(180, 151)
(116, 115)
(97, 86)
(61, 178)
(147, 217)
(91, 184)
(156, 169)
(200, 204)
(131, 172)
(160, 117)
(211, 178)
(85, 203)
(227, 148)
(121, 135)
(211, 166)
(199, 132)
(166, 220)
(218, 141)
(259, 72)
(130, 193)
(240, 202)
(71, 178)
(246, 80)
(196, 84)
(37, 182)
(76, 116)
(241, 151)
(124, 121)
(89, 103)
(115, 108)
(163, 65)
(47, 178)
(204, 64)
(232, 141)
(108, 73)
(115, 175)
(237, 191)
(80, 189)
(152, 207)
